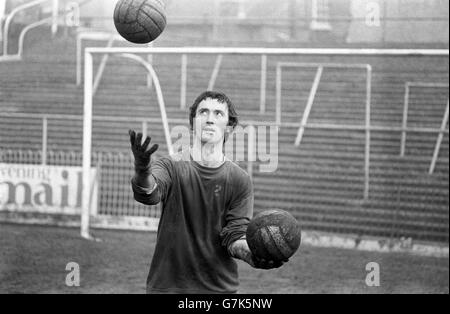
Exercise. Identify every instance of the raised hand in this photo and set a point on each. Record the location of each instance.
(142, 154)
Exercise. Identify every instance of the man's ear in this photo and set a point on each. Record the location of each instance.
(229, 129)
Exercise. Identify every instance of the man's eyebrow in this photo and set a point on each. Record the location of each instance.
(207, 109)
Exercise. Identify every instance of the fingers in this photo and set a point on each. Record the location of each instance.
(132, 137)
(276, 264)
(153, 149)
(136, 140)
(145, 144)
(265, 264)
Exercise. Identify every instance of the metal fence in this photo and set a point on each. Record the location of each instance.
(115, 171)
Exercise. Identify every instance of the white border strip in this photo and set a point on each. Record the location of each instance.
(402, 245)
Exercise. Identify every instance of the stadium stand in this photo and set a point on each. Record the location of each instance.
(320, 182)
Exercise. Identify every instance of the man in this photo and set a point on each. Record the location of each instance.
(207, 203)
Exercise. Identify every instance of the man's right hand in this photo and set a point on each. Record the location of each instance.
(142, 155)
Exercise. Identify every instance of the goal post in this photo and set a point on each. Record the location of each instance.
(87, 127)
(87, 143)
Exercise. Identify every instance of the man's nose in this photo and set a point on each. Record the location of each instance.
(210, 119)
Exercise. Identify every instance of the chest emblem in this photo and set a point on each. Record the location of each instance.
(217, 189)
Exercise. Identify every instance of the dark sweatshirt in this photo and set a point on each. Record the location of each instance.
(204, 210)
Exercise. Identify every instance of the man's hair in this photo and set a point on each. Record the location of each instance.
(220, 97)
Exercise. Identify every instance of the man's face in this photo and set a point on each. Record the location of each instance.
(211, 120)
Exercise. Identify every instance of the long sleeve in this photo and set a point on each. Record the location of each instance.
(161, 172)
(240, 212)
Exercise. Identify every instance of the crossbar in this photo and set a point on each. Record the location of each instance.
(275, 51)
(100, 36)
(90, 36)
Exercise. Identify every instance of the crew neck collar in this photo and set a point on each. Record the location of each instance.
(225, 159)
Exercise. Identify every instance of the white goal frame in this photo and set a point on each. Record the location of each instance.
(89, 90)
(131, 53)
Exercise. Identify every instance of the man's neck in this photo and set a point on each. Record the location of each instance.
(208, 155)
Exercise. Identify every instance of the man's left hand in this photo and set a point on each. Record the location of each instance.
(240, 249)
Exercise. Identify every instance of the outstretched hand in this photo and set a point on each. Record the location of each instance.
(142, 154)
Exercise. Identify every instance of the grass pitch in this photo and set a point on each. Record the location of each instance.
(33, 259)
